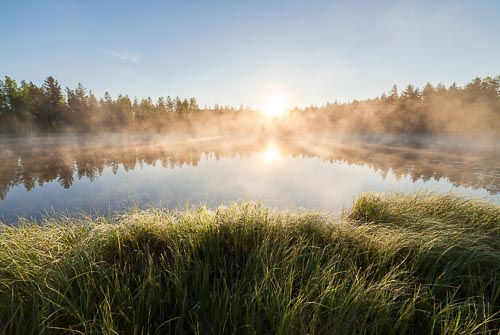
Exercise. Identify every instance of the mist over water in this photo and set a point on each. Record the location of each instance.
(109, 172)
(68, 150)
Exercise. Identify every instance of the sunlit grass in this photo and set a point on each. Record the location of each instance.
(397, 264)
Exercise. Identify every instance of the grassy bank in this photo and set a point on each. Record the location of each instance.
(417, 264)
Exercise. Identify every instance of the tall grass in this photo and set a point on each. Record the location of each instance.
(397, 264)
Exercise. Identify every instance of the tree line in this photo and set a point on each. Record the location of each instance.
(474, 108)
(26, 107)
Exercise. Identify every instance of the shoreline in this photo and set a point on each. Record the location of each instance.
(421, 263)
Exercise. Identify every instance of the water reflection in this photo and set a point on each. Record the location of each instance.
(108, 171)
(272, 154)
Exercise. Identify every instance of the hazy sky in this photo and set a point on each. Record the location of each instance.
(241, 52)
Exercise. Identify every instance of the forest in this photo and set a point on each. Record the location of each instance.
(26, 108)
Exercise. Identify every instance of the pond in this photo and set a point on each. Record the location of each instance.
(110, 172)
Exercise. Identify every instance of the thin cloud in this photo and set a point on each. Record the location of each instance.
(132, 58)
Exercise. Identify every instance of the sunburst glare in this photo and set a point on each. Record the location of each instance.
(274, 106)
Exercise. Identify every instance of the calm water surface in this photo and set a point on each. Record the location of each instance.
(110, 172)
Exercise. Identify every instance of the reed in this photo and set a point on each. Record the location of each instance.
(398, 264)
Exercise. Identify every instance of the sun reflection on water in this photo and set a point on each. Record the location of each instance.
(272, 154)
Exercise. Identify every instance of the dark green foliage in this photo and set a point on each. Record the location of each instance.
(30, 108)
(474, 108)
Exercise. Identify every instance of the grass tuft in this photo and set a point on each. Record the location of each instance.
(398, 264)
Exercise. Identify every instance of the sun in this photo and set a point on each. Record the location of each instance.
(274, 106)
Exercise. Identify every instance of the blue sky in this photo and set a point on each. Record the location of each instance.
(241, 52)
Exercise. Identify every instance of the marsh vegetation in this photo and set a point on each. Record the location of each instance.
(394, 264)
(250, 167)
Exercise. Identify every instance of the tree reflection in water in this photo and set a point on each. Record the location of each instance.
(63, 158)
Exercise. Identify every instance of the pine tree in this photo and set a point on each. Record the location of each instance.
(54, 104)
(13, 96)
